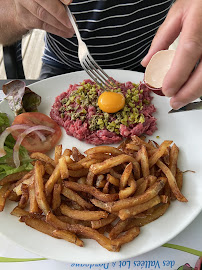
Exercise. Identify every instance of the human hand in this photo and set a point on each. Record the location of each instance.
(180, 83)
(48, 15)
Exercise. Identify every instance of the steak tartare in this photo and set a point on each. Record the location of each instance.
(78, 112)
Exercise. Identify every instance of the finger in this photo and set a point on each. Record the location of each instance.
(57, 10)
(187, 54)
(165, 36)
(30, 21)
(190, 91)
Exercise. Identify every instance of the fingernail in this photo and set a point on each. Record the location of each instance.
(142, 62)
(177, 105)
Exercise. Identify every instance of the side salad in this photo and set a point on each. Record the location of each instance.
(7, 165)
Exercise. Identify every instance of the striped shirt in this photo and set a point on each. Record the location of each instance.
(118, 33)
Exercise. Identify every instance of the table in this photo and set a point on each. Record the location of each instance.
(182, 252)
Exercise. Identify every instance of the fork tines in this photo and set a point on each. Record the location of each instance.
(97, 73)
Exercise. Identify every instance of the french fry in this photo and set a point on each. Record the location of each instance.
(132, 146)
(122, 145)
(39, 188)
(144, 162)
(67, 152)
(3, 191)
(139, 141)
(158, 212)
(73, 196)
(96, 224)
(112, 162)
(39, 225)
(82, 215)
(84, 231)
(77, 165)
(19, 212)
(106, 188)
(82, 180)
(56, 200)
(90, 179)
(76, 154)
(53, 179)
(100, 181)
(159, 153)
(132, 201)
(14, 197)
(58, 153)
(128, 236)
(164, 198)
(151, 180)
(172, 181)
(42, 157)
(24, 197)
(68, 159)
(173, 157)
(28, 182)
(132, 211)
(49, 168)
(91, 190)
(118, 228)
(69, 220)
(142, 187)
(79, 173)
(128, 191)
(125, 175)
(12, 178)
(114, 181)
(99, 156)
(179, 178)
(68, 236)
(33, 206)
(103, 149)
(88, 163)
(64, 172)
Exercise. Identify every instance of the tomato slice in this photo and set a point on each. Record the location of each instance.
(32, 142)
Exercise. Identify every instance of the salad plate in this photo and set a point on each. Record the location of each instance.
(184, 129)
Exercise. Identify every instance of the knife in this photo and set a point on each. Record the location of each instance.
(189, 107)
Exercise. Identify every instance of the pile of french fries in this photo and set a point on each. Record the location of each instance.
(106, 194)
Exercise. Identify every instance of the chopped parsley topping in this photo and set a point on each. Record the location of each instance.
(83, 104)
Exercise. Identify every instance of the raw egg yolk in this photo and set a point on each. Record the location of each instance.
(111, 102)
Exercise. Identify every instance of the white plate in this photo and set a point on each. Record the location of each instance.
(184, 129)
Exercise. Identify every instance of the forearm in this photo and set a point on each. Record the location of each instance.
(10, 29)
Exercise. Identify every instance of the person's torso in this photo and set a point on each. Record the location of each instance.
(118, 33)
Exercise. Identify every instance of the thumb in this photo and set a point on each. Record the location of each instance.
(165, 36)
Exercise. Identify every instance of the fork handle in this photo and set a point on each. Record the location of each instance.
(72, 20)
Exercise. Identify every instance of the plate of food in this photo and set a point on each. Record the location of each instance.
(97, 177)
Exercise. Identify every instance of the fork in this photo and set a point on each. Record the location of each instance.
(86, 60)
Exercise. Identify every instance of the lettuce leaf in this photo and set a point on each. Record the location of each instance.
(20, 98)
(6, 162)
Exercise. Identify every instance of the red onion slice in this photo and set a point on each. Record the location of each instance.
(4, 135)
(20, 139)
(41, 136)
(8, 130)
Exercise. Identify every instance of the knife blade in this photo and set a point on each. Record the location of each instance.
(189, 107)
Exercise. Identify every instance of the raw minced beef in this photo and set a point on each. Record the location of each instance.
(78, 112)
